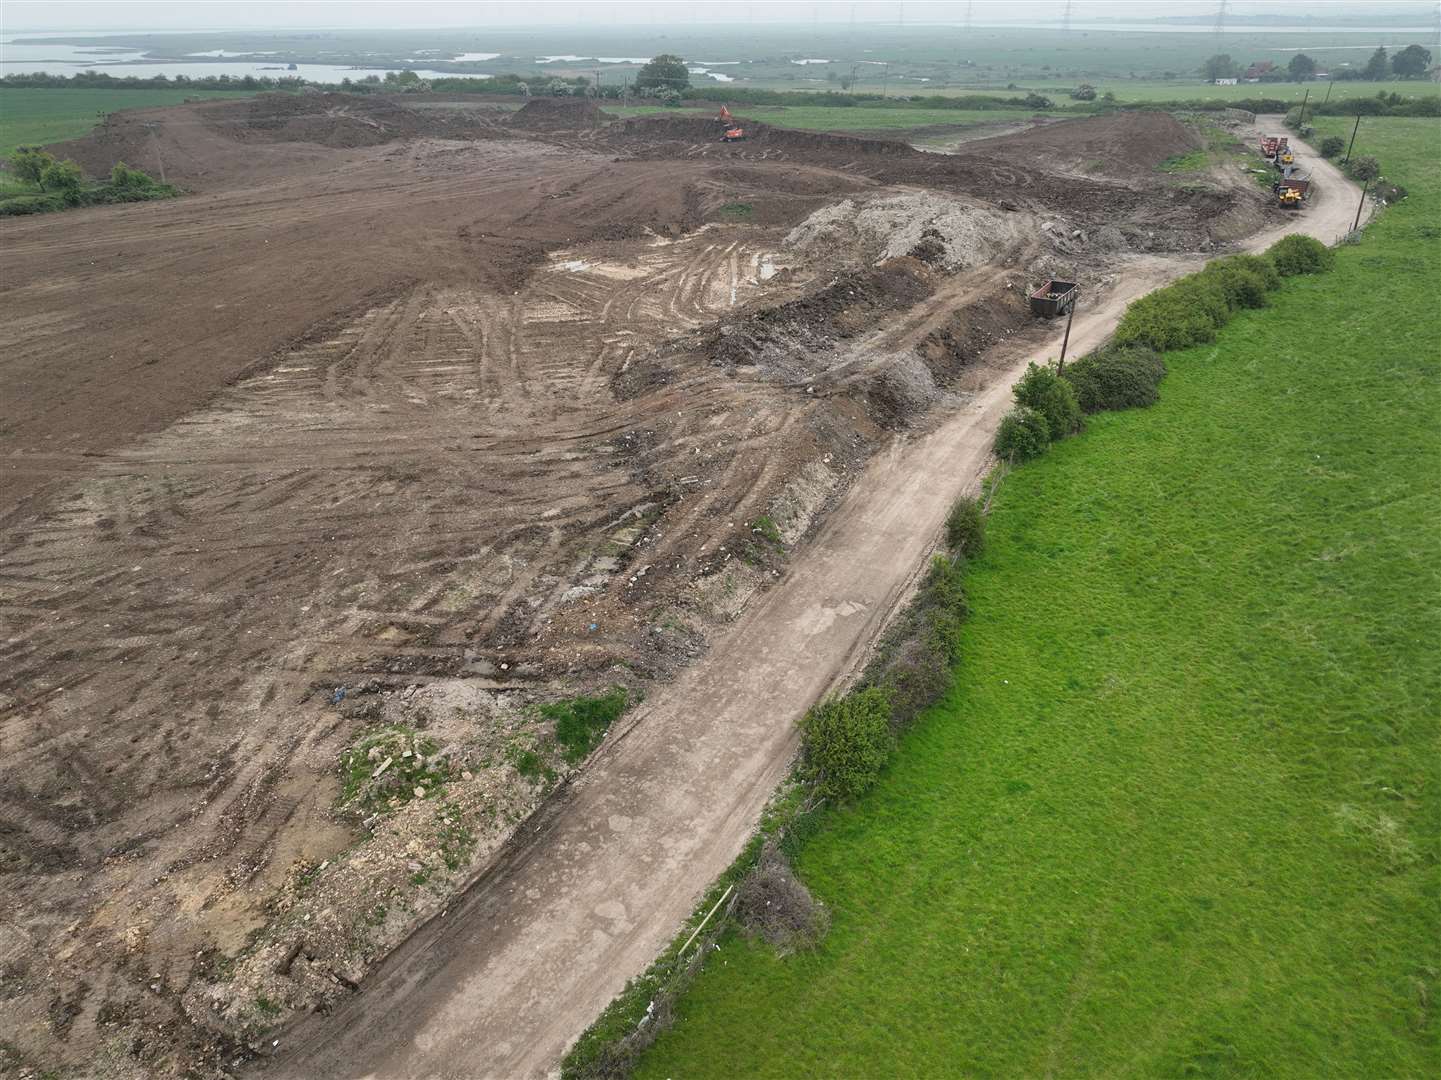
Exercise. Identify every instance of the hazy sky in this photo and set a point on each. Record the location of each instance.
(20, 15)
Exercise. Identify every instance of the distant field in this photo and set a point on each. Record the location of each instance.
(40, 116)
(1180, 816)
(1136, 90)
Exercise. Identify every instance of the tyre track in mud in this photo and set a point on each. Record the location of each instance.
(535, 950)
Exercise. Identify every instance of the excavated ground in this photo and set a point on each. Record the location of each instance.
(409, 416)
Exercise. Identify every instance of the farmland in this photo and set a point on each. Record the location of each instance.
(38, 116)
(1179, 816)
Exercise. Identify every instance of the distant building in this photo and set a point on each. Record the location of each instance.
(1226, 82)
(1257, 71)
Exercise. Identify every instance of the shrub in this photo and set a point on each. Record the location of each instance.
(846, 741)
(1332, 145)
(966, 527)
(1023, 434)
(30, 162)
(1176, 317)
(1365, 168)
(1117, 377)
(1040, 388)
(775, 905)
(123, 176)
(1244, 279)
(64, 178)
(1298, 254)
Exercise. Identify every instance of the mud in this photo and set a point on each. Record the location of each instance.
(405, 405)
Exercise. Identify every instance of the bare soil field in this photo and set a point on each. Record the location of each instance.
(411, 419)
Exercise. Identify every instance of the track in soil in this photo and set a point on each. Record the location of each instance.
(340, 416)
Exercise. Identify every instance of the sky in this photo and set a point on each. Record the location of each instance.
(30, 15)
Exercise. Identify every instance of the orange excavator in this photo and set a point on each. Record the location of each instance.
(733, 131)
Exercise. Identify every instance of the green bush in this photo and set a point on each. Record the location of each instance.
(1176, 317)
(65, 179)
(1041, 389)
(1117, 377)
(30, 162)
(1298, 254)
(1244, 279)
(1023, 434)
(123, 176)
(1364, 168)
(846, 741)
(580, 722)
(1332, 145)
(966, 527)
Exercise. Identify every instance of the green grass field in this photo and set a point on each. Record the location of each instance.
(41, 116)
(1181, 815)
(1191, 90)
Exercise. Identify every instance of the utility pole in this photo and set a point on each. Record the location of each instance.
(158, 156)
(1360, 206)
(1352, 143)
(1301, 120)
(885, 74)
(1061, 363)
(1329, 83)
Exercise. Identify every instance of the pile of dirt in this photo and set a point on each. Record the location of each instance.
(1128, 145)
(960, 233)
(559, 114)
(340, 121)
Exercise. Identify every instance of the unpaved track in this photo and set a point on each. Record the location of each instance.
(502, 984)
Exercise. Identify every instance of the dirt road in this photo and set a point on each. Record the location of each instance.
(503, 983)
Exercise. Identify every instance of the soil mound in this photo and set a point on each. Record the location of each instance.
(644, 131)
(559, 114)
(340, 121)
(964, 233)
(1123, 144)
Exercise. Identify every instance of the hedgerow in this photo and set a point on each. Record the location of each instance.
(1116, 377)
(1041, 389)
(1298, 254)
(1023, 434)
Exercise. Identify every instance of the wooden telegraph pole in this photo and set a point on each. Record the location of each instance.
(1352, 143)
(1071, 314)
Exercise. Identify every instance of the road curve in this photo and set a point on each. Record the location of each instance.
(503, 983)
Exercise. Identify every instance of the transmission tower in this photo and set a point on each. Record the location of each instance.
(1066, 19)
(1220, 24)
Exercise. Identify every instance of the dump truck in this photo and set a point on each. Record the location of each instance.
(1272, 145)
(1285, 157)
(1292, 190)
(1054, 298)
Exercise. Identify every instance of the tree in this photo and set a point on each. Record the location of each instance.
(1037, 101)
(29, 162)
(1301, 67)
(1332, 145)
(1412, 62)
(1376, 68)
(666, 71)
(64, 178)
(1084, 92)
(1365, 168)
(1220, 66)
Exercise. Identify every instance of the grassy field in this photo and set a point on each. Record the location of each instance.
(40, 116)
(1181, 815)
(1191, 90)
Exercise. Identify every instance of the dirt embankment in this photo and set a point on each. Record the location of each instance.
(448, 425)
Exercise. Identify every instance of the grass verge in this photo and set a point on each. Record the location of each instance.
(31, 116)
(1179, 815)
